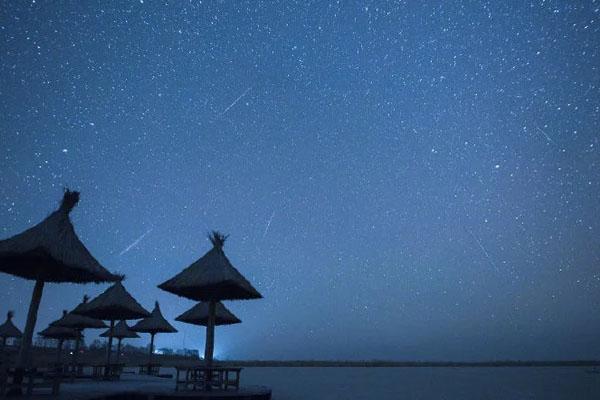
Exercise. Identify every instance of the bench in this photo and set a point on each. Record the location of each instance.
(201, 378)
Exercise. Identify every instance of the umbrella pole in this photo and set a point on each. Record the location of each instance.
(210, 343)
(59, 352)
(210, 334)
(118, 349)
(151, 351)
(76, 354)
(24, 357)
(109, 347)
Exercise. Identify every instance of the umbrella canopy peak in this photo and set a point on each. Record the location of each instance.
(155, 323)
(69, 201)
(217, 239)
(211, 278)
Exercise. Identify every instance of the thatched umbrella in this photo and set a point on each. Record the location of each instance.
(8, 329)
(154, 324)
(79, 323)
(49, 252)
(198, 315)
(212, 278)
(114, 304)
(60, 334)
(120, 331)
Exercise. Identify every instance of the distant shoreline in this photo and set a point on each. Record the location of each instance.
(46, 355)
(389, 364)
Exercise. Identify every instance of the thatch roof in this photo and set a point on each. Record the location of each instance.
(57, 332)
(212, 277)
(8, 329)
(155, 323)
(120, 331)
(51, 251)
(198, 315)
(78, 321)
(115, 303)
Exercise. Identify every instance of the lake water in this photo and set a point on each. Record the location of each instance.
(548, 383)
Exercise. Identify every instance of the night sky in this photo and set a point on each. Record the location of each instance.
(400, 180)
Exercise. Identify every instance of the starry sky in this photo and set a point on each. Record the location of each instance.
(400, 180)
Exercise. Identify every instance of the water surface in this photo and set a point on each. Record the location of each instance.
(506, 383)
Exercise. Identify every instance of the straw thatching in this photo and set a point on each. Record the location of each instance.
(115, 303)
(52, 252)
(155, 323)
(198, 315)
(8, 329)
(212, 277)
(48, 252)
(79, 322)
(120, 331)
(60, 333)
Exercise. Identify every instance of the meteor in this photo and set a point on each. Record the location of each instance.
(135, 242)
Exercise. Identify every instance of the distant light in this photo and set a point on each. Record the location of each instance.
(219, 353)
(65, 150)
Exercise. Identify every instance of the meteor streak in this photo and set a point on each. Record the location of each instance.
(135, 242)
(236, 100)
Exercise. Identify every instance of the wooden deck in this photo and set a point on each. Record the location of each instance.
(144, 387)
